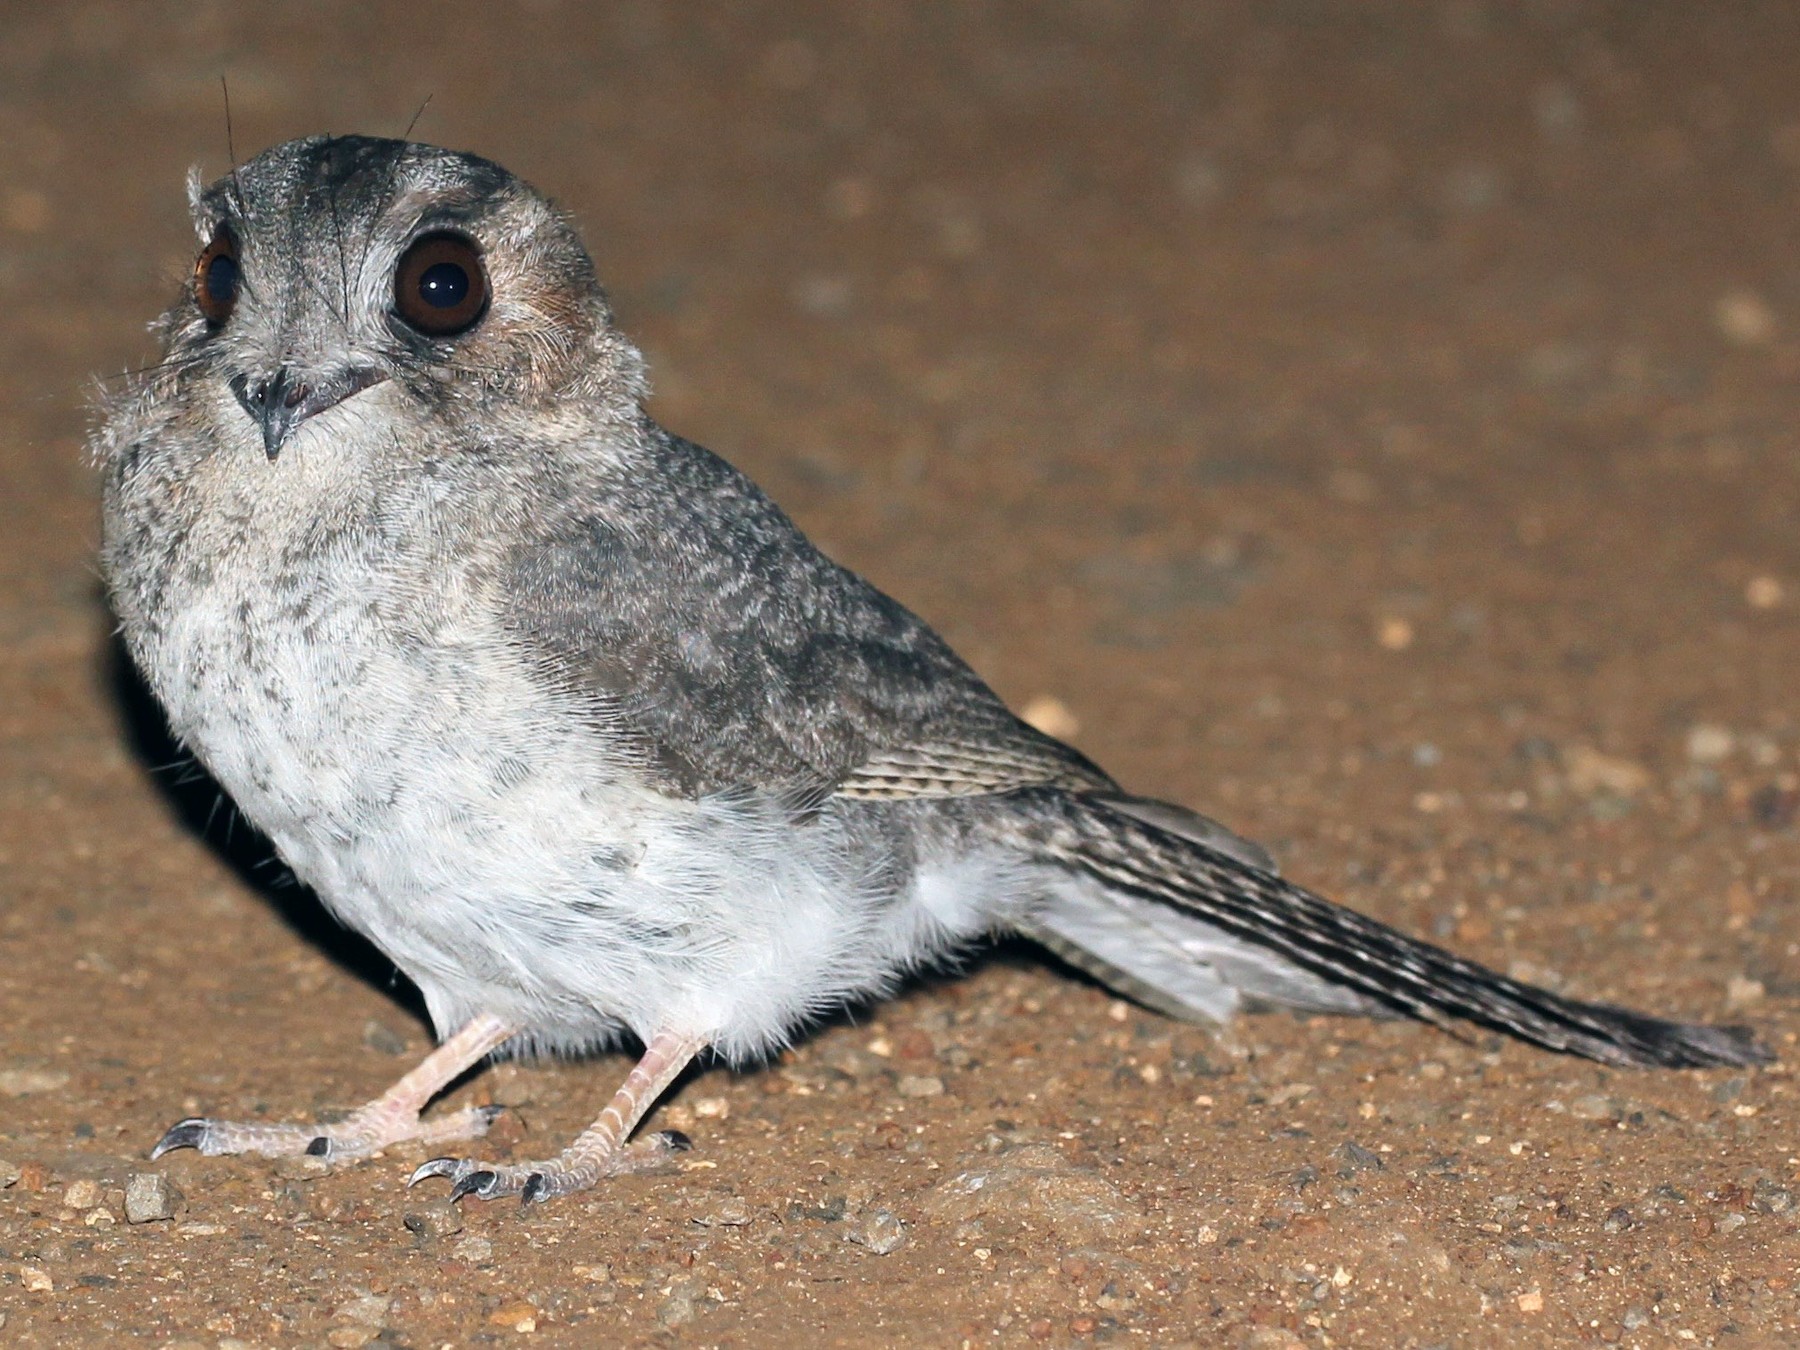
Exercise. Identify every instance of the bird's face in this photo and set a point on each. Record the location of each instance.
(339, 274)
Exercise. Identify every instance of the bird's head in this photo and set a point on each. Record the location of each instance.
(335, 272)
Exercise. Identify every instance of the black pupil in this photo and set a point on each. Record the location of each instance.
(222, 279)
(444, 285)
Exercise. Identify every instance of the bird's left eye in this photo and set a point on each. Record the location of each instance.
(216, 276)
(440, 286)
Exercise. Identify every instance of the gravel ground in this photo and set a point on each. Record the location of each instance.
(1368, 422)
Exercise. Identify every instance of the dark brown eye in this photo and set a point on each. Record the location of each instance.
(440, 287)
(216, 277)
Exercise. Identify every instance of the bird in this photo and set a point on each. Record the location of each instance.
(573, 723)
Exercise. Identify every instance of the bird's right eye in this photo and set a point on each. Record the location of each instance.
(441, 286)
(216, 276)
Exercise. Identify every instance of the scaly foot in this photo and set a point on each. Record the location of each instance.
(563, 1175)
(599, 1151)
(391, 1118)
(360, 1134)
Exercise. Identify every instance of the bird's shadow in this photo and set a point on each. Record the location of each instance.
(205, 808)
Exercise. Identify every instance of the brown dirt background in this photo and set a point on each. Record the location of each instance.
(1372, 422)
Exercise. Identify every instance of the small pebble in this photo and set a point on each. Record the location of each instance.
(1742, 992)
(36, 1279)
(728, 1213)
(434, 1221)
(1354, 1158)
(920, 1085)
(879, 1230)
(350, 1338)
(1772, 1199)
(682, 1301)
(477, 1251)
(1595, 1107)
(1763, 592)
(1744, 318)
(84, 1193)
(1707, 744)
(517, 1316)
(150, 1196)
(1115, 1298)
(24, 1082)
(367, 1310)
(1590, 771)
(9, 1173)
(303, 1167)
(1531, 1302)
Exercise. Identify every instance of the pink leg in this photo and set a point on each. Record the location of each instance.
(389, 1119)
(599, 1151)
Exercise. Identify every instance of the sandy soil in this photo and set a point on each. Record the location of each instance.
(1370, 423)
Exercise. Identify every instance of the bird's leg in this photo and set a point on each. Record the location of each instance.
(599, 1151)
(389, 1119)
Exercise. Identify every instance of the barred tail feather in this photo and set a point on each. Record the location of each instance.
(1128, 853)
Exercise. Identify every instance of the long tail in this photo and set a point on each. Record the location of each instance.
(1129, 854)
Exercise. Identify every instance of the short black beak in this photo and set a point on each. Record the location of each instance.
(285, 400)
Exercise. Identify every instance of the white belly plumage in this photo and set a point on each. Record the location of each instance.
(496, 853)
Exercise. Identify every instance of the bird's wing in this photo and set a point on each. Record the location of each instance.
(727, 652)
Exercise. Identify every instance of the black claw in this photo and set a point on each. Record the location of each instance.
(673, 1140)
(477, 1184)
(435, 1167)
(319, 1148)
(189, 1133)
(537, 1187)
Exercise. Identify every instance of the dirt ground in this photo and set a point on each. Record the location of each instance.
(1369, 423)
